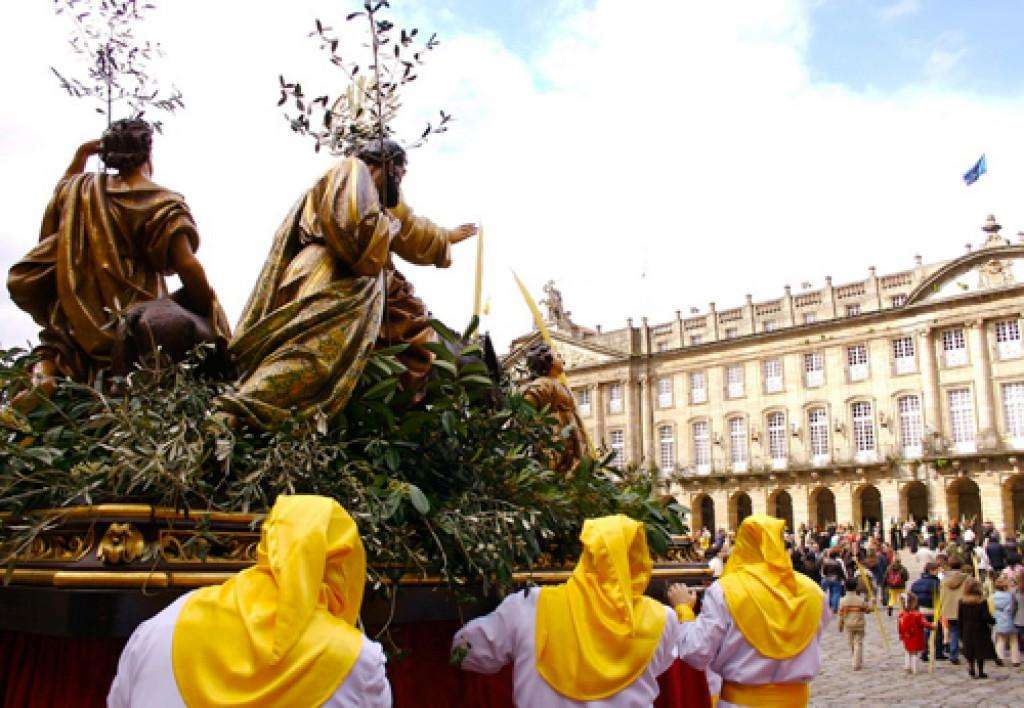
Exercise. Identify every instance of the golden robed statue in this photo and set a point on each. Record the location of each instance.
(546, 390)
(106, 243)
(329, 292)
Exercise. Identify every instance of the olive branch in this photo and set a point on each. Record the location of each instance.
(364, 110)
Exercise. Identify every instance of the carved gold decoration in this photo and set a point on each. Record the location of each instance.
(178, 547)
(122, 543)
(65, 546)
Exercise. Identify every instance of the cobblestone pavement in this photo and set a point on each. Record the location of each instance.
(882, 681)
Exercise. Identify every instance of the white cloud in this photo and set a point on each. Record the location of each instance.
(945, 57)
(900, 8)
(688, 144)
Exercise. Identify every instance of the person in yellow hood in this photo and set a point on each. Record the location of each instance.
(281, 633)
(760, 624)
(594, 640)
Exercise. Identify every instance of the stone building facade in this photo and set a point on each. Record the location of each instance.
(896, 396)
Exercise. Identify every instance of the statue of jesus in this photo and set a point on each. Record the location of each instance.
(329, 292)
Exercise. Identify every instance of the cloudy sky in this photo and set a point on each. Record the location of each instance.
(648, 156)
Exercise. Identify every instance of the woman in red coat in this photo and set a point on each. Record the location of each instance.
(911, 626)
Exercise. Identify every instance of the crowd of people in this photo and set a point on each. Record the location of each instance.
(967, 603)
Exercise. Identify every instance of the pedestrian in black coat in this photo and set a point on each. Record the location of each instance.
(996, 554)
(975, 623)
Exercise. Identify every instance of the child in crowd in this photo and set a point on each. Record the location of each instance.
(911, 625)
(975, 622)
(895, 583)
(1004, 603)
(852, 611)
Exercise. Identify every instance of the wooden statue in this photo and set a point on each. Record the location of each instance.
(106, 243)
(329, 292)
(546, 390)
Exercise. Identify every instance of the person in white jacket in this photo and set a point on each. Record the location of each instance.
(595, 640)
(281, 633)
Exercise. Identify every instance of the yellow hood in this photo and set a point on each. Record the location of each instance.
(597, 632)
(281, 632)
(776, 609)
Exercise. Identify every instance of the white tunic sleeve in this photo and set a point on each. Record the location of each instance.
(491, 639)
(700, 638)
(366, 685)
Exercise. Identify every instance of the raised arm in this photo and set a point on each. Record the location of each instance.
(82, 154)
(489, 642)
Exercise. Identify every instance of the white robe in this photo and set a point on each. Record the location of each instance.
(713, 641)
(507, 634)
(145, 674)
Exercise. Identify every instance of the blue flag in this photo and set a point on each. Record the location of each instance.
(972, 175)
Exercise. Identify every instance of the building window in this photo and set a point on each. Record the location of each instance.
(911, 429)
(583, 401)
(777, 449)
(961, 420)
(615, 398)
(665, 392)
(863, 431)
(898, 300)
(734, 381)
(772, 371)
(853, 310)
(954, 347)
(661, 346)
(817, 431)
(696, 339)
(738, 444)
(857, 362)
(903, 355)
(814, 369)
(731, 333)
(1008, 339)
(698, 387)
(1013, 412)
(701, 447)
(666, 448)
(617, 440)
(810, 317)
(770, 325)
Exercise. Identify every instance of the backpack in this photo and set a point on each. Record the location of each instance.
(893, 578)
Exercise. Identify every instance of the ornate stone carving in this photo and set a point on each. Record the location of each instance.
(995, 273)
(122, 543)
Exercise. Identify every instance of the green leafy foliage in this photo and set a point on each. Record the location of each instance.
(451, 486)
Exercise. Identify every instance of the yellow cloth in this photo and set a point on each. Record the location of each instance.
(777, 610)
(768, 695)
(597, 632)
(684, 613)
(282, 632)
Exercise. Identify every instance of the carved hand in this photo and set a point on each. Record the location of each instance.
(461, 233)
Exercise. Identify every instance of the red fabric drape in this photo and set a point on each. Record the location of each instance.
(42, 672)
(38, 671)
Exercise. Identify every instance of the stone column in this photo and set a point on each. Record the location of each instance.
(981, 366)
(722, 520)
(929, 383)
(759, 501)
(801, 508)
(788, 316)
(844, 502)
(890, 502)
(938, 508)
(991, 493)
(600, 411)
(632, 415)
(647, 422)
(828, 296)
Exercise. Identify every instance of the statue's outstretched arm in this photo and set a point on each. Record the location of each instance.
(423, 242)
